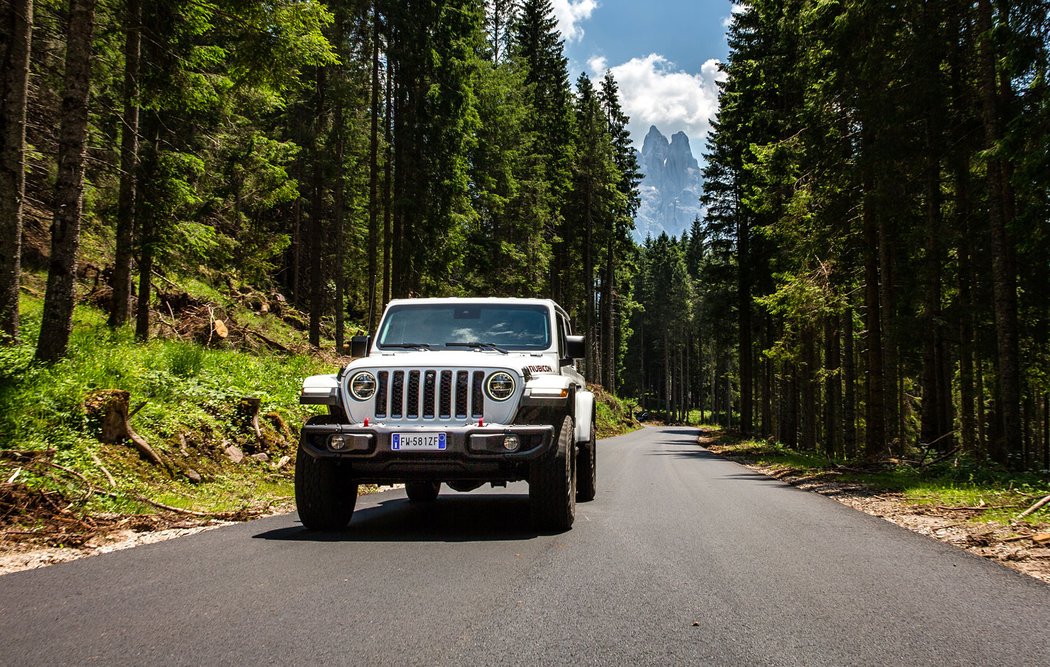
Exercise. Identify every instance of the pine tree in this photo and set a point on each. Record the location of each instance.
(57, 318)
(17, 28)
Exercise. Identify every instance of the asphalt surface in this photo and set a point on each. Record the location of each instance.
(682, 558)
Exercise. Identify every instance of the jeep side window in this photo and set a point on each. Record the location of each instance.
(563, 331)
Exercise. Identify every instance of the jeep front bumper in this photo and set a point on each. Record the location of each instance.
(486, 453)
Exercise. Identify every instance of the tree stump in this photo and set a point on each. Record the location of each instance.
(109, 409)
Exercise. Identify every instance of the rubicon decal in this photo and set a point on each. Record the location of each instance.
(540, 369)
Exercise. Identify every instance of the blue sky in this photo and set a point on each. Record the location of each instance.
(663, 53)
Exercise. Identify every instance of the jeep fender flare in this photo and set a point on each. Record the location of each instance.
(584, 415)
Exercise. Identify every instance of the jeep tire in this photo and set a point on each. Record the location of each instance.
(325, 494)
(552, 483)
(422, 492)
(587, 470)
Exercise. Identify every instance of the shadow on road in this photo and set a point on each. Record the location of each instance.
(451, 518)
(681, 430)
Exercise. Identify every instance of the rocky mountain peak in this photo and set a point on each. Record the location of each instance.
(670, 188)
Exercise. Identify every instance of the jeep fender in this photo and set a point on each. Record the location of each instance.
(584, 415)
(558, 391)
(320, 390)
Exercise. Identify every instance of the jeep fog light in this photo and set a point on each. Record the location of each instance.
(338, 442)
(511, 443)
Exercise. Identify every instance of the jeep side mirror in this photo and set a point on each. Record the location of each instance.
(575, 348)
(359, 346)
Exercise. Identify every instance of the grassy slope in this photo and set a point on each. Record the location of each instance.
(188, 396)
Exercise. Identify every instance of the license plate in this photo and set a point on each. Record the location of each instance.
(418, 442)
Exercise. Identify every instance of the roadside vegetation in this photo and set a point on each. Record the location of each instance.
(222, 419)
(957, 484)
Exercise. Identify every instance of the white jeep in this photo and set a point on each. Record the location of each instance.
(457, 391)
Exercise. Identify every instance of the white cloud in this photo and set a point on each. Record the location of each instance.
(733, 11)
(653, 92)
(598, 65)
(570, 13)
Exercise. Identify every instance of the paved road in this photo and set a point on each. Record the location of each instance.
(682, 558)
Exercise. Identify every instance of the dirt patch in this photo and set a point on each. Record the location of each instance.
(1013, 546)
(18, 553)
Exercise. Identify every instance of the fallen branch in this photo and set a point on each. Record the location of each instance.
(1034, 508)
(90, 486)
(98, 462)
(26, 454)
(272, 343)
(169, 508)
(248, 411)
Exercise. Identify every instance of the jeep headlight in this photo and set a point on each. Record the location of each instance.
(500, 386)
(363, 386)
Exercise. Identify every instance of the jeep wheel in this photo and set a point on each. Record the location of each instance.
(422, 492)
(587, 470)
(325, 494)
(552, 483)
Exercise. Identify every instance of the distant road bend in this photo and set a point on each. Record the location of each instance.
(683, 558)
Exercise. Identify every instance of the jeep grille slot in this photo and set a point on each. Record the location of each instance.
(428, 394)
(461, 394)
(381, 398)
(477, 400)
(413, 395)
(445, 409)
(397, 395)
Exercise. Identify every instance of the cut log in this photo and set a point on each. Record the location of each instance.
(109, 408)
(1034, 508)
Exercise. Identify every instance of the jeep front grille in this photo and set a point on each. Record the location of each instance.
(429, 394)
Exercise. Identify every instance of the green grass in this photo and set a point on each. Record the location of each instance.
(965, 483)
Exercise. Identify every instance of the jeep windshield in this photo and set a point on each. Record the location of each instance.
(436, 326)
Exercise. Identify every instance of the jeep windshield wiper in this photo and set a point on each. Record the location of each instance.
(480, 346)
(407, 346)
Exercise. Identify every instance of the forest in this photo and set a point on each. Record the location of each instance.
(871, 277)
(343, 153)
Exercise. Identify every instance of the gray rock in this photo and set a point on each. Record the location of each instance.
(234, 453)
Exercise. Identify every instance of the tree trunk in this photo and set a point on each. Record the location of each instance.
(339, 220)
(808, 396)
(744, 333)
(146, 223)
(388, 179)
(317, 207)
(875, 408)
(832, 388)
(373, 174)
(57, 319)
(894, 435)
(588, 278)
(120, 308)
(1004, 274)
(15, 48)
(849, 401)
(608, 344)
